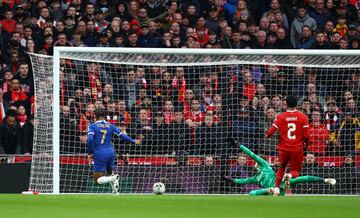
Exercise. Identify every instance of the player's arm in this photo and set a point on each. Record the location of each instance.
(305, 179)
(261, 162)
(266, 191)
(90, 140)
(124, 136)
(272, 130)
(243, 181)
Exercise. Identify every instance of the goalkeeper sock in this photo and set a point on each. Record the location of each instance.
(105, 179)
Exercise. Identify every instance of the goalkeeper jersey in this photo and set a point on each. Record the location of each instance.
(266, 175)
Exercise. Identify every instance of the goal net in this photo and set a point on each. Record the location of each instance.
(183, 105)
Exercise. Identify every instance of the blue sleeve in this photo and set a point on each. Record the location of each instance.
(127, 138)
(90, 140)
(123, 136)
(116, 130)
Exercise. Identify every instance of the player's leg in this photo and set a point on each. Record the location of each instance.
(265, 191)
(311, 179)
(283, 160)
(100, 161)
(100, 178)
(110, 168)
(330, 181)
(99, 168)
(296, 162)
(97, 175)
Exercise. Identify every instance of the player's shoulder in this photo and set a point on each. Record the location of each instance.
(301, 114)
(281, 115)
(112, 126)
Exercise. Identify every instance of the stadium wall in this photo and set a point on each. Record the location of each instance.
(14, 178)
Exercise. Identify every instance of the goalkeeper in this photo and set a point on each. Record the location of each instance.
(265, 176)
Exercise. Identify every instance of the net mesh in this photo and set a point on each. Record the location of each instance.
(184, 107)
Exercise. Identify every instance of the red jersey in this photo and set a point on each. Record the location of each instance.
(198, 117)
(293, 127)
(318, 136)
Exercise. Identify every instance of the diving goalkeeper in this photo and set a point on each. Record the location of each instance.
(265, 176)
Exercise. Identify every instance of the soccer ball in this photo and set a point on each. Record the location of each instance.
(159, 188)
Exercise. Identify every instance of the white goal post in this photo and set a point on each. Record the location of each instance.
(56, 169)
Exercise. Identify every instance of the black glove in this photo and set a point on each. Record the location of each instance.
(232, 142)
(228, 179)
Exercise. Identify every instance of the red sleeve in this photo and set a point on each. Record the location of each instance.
(271, 131)
(274, 127)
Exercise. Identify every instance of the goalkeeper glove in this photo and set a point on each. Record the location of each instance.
(232, 142)
(228, 179)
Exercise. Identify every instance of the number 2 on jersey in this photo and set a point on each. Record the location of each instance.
(291, 130)
(103, 136)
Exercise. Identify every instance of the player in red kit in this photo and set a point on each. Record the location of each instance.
(292, 126)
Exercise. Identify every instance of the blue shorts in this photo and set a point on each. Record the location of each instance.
(104, 161)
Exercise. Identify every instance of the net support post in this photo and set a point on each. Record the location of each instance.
(56, 121)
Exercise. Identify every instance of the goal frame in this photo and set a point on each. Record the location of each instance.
(148, 51)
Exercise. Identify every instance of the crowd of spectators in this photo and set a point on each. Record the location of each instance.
(176, 110)
(193, 110)
(38, 25)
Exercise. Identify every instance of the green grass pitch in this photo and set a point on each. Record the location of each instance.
(174, 206)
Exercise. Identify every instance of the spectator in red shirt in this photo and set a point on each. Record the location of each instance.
(249, 87)
(87, 118)
(195, 117)
(179, 83)
(168, 112)
(122, 110)
(112, 116)
(21, 116)
(91, 79)
(8, 24)
(202, 37)
(15, 95)
(318, 135)
(189, 96)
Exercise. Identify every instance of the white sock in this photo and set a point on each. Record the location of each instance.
(105, 179)
(327, 180)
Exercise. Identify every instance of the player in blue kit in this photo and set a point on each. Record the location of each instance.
(100, 149)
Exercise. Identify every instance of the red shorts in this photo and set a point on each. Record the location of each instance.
(295, 158)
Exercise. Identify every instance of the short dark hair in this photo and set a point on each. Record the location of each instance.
(11, 113)
(99, 112)
(291, 101)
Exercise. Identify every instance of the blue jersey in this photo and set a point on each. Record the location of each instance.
(102, 132)
(100, 135)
